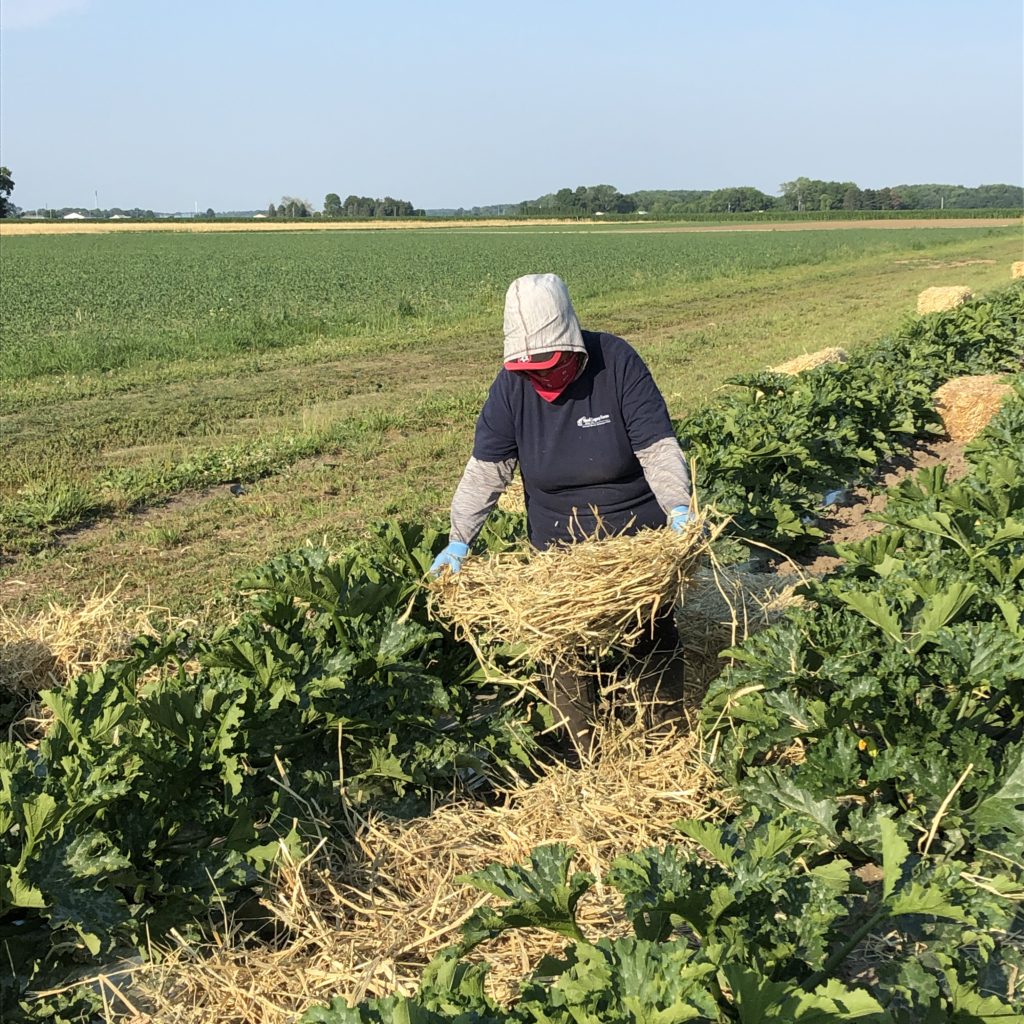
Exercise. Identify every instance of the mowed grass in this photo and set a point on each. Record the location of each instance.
(336, 377)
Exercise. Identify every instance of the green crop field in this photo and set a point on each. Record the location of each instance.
(115, 302)
(335, 376)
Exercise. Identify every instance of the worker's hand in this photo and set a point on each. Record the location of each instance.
(679, 517)
(452, 557)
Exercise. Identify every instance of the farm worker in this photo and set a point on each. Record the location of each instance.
(580, 414)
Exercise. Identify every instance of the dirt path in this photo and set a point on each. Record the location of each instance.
(851, 523)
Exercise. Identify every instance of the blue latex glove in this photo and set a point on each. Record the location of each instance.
(680, 516)
(452, 557)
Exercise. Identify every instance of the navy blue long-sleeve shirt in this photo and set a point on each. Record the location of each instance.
(577, 453)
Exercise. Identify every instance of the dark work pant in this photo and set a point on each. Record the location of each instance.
(656, 659)
(574, 698)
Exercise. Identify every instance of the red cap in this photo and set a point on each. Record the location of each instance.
(542, 362)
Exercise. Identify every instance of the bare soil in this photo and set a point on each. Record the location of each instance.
(851, 523)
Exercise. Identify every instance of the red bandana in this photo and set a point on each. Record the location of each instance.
(549, 384)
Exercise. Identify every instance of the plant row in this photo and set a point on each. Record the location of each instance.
(848, 728)
(769, 450)
(165, 783)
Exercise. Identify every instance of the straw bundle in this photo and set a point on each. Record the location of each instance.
(570, 603)
(809, 360)
(1017, 268)
(967, 404)
(936, 300)
(364, 921)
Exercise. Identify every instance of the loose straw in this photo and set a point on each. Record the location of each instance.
(571, 603)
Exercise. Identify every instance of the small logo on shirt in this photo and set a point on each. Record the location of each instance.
(594, 421)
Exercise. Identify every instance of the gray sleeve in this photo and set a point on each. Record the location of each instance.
(664, 467)
(481, 485)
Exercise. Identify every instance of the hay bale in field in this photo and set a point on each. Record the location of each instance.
(967, 404)
(937, 300)
(573, 603)
(363, 922)
(1017, 269)
(810, 360)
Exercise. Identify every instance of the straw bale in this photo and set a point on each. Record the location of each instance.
(364, 921)
(572, 603)
(1017, 268)
(722, 607)
(809, 360)
(967, 404)
(936, 300)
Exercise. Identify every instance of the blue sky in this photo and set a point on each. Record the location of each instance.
(232, 104)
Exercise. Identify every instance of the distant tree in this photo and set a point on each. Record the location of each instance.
(737, 200)
(210, 213)
(292, 207)
(332, 205)
(366, 206)
(6, 188)
(810, 194)
(852, 198)
(795, 193)
(565, 200)
(271, 210)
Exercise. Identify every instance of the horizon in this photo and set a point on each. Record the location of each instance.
(317, 207)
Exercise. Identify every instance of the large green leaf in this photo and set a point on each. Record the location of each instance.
(894, 855)
(759, 1000)
(875, 609)
(939, 610)
(542, 895)
(971, 1007)
(927, 899)
(1003, 808)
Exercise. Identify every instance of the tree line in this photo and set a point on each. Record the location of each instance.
(800, 195)
(6, 188)
(354, 206)
(366, 206)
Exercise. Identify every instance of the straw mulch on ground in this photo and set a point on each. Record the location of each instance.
(1017, 268)
(570, 604)
(45, 650)
(364, 921)
(936, 300)
(810, 360)
(967, 404)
